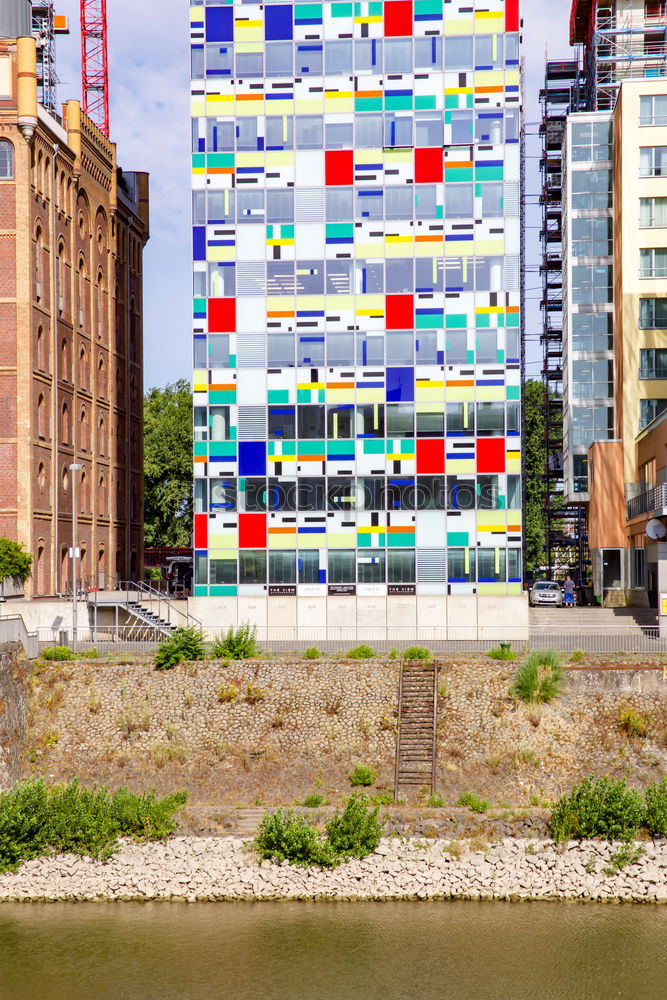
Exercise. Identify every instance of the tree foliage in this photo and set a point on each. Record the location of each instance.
(535, 456)
(15, 562)
(168, 465)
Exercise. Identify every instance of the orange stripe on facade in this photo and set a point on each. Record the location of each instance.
(457, 164)
(282, 531)
(486, 90)
(281, 314)
(460, 381)
(222, 386)
(368, 93)
(251, 97)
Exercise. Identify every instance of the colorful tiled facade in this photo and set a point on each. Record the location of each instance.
(356, 174)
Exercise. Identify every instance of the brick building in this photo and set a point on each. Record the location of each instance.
(72, 231)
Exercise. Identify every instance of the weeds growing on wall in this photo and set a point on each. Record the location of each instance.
(37, 820)
(236, 643)
(540, 678)
(184, 645)
(598, 807)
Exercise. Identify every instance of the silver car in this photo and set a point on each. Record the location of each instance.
(545, 592)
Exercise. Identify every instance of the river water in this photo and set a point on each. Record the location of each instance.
(332, 951)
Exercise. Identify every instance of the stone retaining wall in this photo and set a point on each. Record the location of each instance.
(198, 869)
(13, 715)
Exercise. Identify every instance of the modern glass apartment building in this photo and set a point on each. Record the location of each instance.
(356, 173)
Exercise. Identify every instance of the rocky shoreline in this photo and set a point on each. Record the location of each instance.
(193, 869)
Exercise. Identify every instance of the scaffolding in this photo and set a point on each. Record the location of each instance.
(43, 28)
(621, 42)
(566, 537)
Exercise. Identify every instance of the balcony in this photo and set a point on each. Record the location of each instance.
(653, 502)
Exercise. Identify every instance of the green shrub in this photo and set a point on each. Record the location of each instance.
(474, 802)
(435, 802)
(501, 653)
(36, 820)
(393, 654)
(283, 836)
(632, 722)
(417, 653)
(576, 656)
(312, 653)
(362, 775)
(186, 643)
(540, 678)
(598, 807)
(57, 653)
(236, 643)
(655, 814)
(383, 797)
(361, 653)
(15, 562)
(152, 573)
(90, 654)
(628, 855)
(356, 831)
(314, 800)
(443, 689)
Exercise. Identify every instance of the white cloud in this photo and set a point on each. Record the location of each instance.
(149, 65)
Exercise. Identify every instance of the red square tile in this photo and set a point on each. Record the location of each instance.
(221, 315)
(428, 166)
(399, 312)
(430, 456)
(252, 531)
(398, 17)
(511, 15)
(201, 531)
(339, 166)
(491, 454)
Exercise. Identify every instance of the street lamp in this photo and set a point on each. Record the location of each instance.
(74, 554)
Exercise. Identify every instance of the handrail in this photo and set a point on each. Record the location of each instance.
(127, 586)
(648, 501)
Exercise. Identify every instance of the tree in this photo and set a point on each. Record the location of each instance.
(168, 466)
(535, 484)
(15, 562)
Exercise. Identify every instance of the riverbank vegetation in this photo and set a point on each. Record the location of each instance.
(607, 808)
(354, 833)
(36, 819)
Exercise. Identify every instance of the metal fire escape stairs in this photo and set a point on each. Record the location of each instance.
(148, 613)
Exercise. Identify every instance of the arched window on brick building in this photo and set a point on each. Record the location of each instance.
(6, 160)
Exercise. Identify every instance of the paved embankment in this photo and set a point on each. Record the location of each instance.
(192, 869)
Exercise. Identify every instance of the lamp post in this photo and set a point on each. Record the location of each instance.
(74, 468)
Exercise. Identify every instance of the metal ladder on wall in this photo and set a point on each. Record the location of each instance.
(417, 726)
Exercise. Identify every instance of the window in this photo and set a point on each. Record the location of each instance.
(370, 420)
(637, 568)
(219, 59)
(309, 58)
(371, 493)
(653, 263)
(279, 59)
(653, 314)
(649, 409)
(249, 64)
(652, 213)
(397, 130)
(400, 420)
(458, 201)
(398, 55)
(430, 420)
(458, 52)
(461, 565)
(282, 423)
(591, 284)
(431, 493)
(371, 565)
(279, 132)
(591, 141)
(653, 161)
(339, 135)
(428, 53)
(311, 493)
(311, 422)
(592, 424)
(592, 331)
(653, 109)
(653, 363)
(342, 566)
(341, 493)
(591, 189)
(490, 419)
(282, 566)
(309, 132)
(368, 55)
(252, 566)
(223, 572)
(401, 566)
(591, 237)
(491, 565)
(338, 58)
(6, 160)
(309, 566)
(460, 419)
(428, 129)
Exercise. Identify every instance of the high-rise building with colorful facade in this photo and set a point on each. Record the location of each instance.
(356, 173)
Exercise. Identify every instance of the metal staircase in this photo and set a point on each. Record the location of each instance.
(147, 613)
(417, 716)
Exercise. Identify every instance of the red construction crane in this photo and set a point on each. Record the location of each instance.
(95, 62)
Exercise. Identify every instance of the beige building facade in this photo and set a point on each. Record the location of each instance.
(72, 231)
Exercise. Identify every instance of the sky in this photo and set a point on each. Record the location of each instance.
(149, 91)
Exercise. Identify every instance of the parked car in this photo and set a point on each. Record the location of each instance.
(545, 592)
